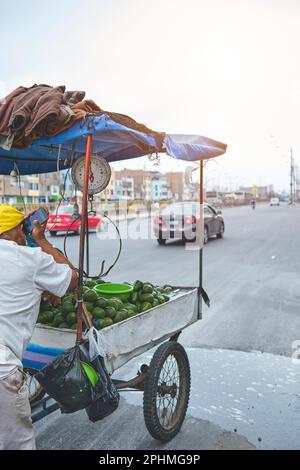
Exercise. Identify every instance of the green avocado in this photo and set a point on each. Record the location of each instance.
(99, 312)
(58, 320)
(146, 298)
(44, 306)
(138, 285)
(42, 319)
(90, 296)
(107, 321)
(131, 313)
(110, 312)
(147, 289)
(146, 306)
(116, 303)
(46, 317)
(67, 307)
(68, 297)
(89, 306)
(161, 299)
(119, 317)
(90, 283)
(130, 306)
(101, 302)
(133, 297)
(71, 318)
(124, 312)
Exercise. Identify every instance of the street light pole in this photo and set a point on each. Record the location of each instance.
(292, 176)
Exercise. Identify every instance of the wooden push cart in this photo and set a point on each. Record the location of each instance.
(165, 382)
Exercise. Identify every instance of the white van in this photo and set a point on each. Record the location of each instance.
(274, 201)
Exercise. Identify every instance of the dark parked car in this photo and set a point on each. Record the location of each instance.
(178, 221)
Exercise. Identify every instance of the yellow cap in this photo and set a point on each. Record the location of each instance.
(10, 217)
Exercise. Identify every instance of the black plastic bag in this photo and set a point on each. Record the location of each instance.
(105, 396)
(65, 380)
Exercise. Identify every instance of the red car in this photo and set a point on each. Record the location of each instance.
(63, 221)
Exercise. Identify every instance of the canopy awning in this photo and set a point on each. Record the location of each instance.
(111, 140)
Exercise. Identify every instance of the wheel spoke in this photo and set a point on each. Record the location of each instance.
(167, 392)
(166, 403)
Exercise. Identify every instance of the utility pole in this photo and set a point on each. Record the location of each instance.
(295, 183)
(292, 177)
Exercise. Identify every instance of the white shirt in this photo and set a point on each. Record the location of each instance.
(24, 274)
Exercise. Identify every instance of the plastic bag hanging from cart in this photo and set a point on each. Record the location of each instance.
(105, 396)
(97, 345)
(76, 383)
(66, 380)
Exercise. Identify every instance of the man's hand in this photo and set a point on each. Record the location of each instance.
(38, 233)
(34, 210)
(51, 299)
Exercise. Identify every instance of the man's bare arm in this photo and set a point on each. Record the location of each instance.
(38, 234)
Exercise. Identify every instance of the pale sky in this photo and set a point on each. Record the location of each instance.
(225, 69)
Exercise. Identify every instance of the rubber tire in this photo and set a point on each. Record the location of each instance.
(150, 392)
(221, 233)
(52, 233)
(190, 240)
(161, 242)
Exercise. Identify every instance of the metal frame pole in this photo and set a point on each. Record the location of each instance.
(87, 261)
(201, 241)
(82, 237)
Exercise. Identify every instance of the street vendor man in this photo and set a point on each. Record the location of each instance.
(25, 274)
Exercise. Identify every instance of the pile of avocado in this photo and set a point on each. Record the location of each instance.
(61, 316)
(104, 311)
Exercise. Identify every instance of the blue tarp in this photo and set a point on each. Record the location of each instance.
(111, 140)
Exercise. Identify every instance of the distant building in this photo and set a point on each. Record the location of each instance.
(124, 189)
(109, 193)
(128, 188)
(159, 188)
(146, 188)
(142, 182)
(175, 182)
(243, 195)
(214, 197)
(31, 189)
(118, 189)
(50, 185)
(13, 193)
(45, 188)
(261, 192)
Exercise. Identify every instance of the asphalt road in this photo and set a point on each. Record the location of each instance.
(252, 278)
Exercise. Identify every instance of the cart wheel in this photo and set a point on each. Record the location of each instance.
(167, 391)
(36, 391)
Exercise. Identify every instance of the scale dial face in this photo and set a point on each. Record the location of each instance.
(99, 175)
